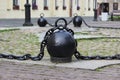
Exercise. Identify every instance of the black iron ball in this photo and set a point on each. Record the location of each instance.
(77, 21)
(42, 22)
(61, 46)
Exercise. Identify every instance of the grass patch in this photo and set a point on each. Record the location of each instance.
(14, 41)
(116, 18)
(99, 46)
(90, 33)
(84, 33)
(7, 30)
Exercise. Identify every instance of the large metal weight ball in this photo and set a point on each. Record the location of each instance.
(61, 46)
(77, 21)
(42, 22)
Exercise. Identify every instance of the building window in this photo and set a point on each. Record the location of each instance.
(15, 5)
(34, 5)
(88, 5)
(45, 5)
(115, 0)
(115, 6)
(105, 0)
(56, 5)
(78, 7)
(64, 6)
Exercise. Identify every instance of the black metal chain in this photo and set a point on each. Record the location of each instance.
(98, 57)
(69, 21)
(104, 27)
(27, 56)
(50, 24)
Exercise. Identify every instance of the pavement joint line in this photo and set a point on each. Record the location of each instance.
(78, 64)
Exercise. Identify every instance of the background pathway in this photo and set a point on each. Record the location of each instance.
(89, 20)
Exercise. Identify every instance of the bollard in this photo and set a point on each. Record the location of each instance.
(27, 14)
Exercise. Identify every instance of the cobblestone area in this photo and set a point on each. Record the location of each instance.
(18, 71)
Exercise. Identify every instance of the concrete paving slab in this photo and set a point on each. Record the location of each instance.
(87, 36)
(76, 36)
(79, 64)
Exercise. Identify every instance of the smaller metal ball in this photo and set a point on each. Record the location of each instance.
(42, 22)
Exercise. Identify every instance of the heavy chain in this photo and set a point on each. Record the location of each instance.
(27, 56)
(104, 27)
(98, 57)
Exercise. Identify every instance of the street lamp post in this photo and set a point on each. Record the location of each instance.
(95, 10)
(27, 14)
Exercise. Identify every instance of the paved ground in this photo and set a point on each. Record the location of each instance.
(89, 21)
(20, 22)
(20, 71)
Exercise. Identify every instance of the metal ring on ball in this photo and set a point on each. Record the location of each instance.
(42, 14)
(56, 25)
(75, 14)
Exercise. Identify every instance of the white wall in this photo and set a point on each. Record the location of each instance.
(6, 9)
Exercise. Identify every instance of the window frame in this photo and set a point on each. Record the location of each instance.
(78, 6)
(64, 6)
(115, 6)
(89, 5)
(34, 5)
(45, 4)
(15, 5)
(56, 5)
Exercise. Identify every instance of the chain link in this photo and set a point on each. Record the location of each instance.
(27, 56)
(98, 57)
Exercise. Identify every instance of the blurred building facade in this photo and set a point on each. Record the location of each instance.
(56, 8)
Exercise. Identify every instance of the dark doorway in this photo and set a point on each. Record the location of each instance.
(115, 6)
(105, 7)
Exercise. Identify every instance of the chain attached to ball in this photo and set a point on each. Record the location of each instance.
(60, 44)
